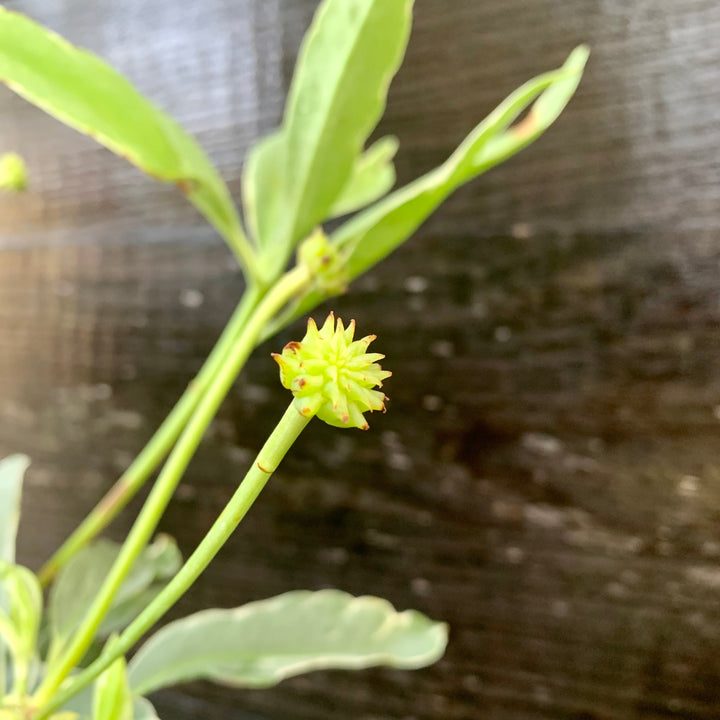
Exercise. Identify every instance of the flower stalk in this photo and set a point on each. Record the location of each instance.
(348, 378)
(285, 289)
(267, 461)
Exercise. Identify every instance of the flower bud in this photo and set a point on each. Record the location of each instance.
(324, 262)
(332, 376)
(13, 173)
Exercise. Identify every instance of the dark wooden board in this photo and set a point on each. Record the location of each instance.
(546, 478)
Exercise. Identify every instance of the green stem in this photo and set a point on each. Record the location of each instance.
(285, 289)
(246, 255)
(267, 461)
(132, 480)
(9, 644)
(21, 670)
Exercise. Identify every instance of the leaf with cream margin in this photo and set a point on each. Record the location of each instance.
(80, 706)
(80, 580)
(261, 643)
(12, 472)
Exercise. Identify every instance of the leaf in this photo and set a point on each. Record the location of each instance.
(112, 699)
(261, 643)
(143, 710)
(122, 613)
(21, 612)
(82, 706)
(81, 90)
(23, 589)
(373, 234)
(79, 582)
(347, 60)
(372, 177)
(262, 187)
(5, 678)
(12, 470)
(158, 564)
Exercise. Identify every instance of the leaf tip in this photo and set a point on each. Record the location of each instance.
(578, 58)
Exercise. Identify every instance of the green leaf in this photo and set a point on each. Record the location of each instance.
(79, 582)
(374, 233)
(338, 93)
(262, 643)
(82, 706)
(82, 91)
(372, 177)
(124, 611)
(262, 187)
(19, 625)
(5, 678)
(12, 471)
(112, 699)
(143, 710)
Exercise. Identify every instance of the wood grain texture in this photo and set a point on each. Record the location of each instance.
(546, 479)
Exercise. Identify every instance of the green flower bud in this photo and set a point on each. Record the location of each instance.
(332, 376)
(13, 173)
(325, 263)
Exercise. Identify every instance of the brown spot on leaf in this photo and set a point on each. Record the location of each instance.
(526, 127)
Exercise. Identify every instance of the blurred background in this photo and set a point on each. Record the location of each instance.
(547, 477)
